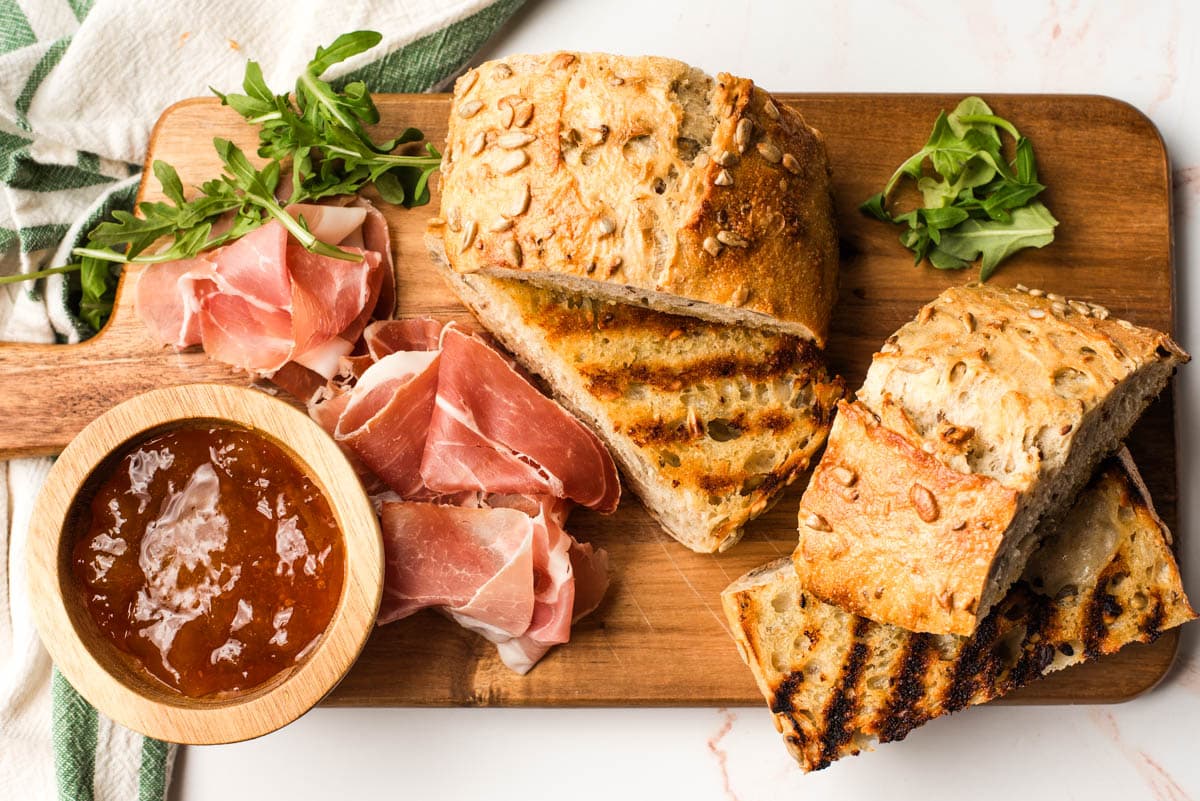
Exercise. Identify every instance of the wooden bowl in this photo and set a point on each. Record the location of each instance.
(90, 660)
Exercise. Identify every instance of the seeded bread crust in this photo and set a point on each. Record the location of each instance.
(976, 420)
(1105, 577)
(644, 180)
(708, 422)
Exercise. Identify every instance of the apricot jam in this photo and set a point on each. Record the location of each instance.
(210, 558)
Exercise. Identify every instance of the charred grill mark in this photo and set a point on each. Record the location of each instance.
(1100, 602)
(900, 715)
(976, 666)
(781, 703)
(843, 699)
(653, 431)
(1151, 624)
(1037, 650)
(788, 356)
(718, 483)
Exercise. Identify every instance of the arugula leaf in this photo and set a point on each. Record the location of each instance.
(977, 204)
(1030, 226)
(323, 132)
(319, 134)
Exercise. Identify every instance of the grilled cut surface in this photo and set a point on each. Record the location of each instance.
(1103, 578)
(708, 422)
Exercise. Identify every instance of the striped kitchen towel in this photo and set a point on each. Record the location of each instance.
(81, 85)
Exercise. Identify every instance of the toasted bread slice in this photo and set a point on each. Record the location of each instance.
(707, 421)
(1103, 578)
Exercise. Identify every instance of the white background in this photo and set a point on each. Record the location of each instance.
(1147, 53)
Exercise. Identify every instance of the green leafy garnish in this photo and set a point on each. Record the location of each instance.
(322, 132)
(319, 135)
(977, 205)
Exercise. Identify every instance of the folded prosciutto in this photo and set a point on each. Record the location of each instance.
(482, 471)
(264, 301)
(477, 424)
(512, 578)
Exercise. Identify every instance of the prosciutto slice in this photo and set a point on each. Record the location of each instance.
(493, 431)
(475, 563)
(386, 419)
(264, 301)
(473, 519)
(495, 570)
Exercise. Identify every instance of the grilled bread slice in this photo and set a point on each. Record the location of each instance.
(644, 180)
(1103, 578)
(988, 411)
(708, 422)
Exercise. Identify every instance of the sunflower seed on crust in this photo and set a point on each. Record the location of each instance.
(712, 247)
(513, 251)
(511, 161)
(520, 203)
(791, 164)
(502, 71)
(501, 225)
(514, 139)
(925, 503)
(771, 109)
(477, 143)
(1080, 307)
(470, 108)
(742, 134)
(732, 239)
(723, 178)
(770, 151)
(468, 237)
(816, 522)
(468, 82)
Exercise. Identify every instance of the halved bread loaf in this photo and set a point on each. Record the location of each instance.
(707, 422)
(643, 180)
(986, 413)
(1105, 577)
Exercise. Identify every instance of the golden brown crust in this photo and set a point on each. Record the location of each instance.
(1104, 578)
(1011, 396)
(888, 531)
(697, 195)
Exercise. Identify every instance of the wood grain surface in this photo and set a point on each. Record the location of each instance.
(659, 638)
(112, 680)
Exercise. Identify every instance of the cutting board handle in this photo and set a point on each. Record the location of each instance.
(52, 391)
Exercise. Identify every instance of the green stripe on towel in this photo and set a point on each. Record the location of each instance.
(425, 63)
(74, 731)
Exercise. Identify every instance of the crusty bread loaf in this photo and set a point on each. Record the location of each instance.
(643, 180)
(988, 411)
(708, 422)
(1103, 578)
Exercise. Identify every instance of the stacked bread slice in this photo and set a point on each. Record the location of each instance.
(960, 459)
(1104, 577)
(658, 246)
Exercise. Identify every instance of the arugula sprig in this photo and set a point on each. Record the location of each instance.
(318, 134)
(976, 203)
(322, 132)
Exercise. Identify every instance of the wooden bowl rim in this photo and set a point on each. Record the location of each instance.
(272, 706)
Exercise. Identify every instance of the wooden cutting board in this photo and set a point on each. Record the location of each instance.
(659, 638)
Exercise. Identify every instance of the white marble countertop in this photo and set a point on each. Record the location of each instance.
(1147, 53)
